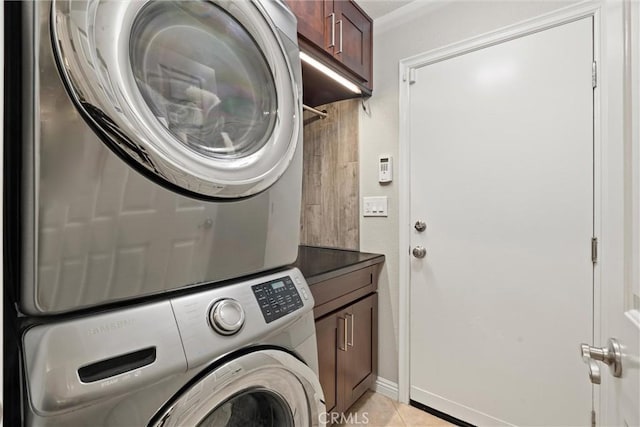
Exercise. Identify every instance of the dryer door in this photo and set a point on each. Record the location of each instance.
(266, 388)
(201, 96)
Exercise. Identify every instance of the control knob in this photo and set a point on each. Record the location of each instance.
(226, 316)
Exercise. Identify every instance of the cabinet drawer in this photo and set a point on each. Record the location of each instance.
(332, 294)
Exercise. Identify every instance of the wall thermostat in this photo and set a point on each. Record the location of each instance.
(385, 169)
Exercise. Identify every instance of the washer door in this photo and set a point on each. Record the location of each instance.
(197, 95)
(266, 388)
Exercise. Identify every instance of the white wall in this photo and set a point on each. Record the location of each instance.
(416, 28)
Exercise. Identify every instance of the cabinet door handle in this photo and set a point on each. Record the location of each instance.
(340, 25)
(333, 30)
(344, 334)
(353, 321)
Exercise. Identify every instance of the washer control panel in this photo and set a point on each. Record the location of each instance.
(277, 298)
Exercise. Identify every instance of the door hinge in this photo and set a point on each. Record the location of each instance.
(593, 418)
(594, 250)
(412, 76)
(594, 74)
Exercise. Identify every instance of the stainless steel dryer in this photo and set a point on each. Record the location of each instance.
(161, 147)
(239, 355)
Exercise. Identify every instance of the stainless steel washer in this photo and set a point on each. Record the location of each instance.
(161, 147)
(164, 364)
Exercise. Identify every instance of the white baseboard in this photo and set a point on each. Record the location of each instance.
(386, 388)
(455, 409)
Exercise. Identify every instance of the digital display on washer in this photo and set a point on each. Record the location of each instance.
(277, 298)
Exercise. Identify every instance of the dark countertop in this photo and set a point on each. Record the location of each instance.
(318, 264)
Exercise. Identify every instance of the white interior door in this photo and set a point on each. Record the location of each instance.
(621, 397)
(621, 291)
(502, 158)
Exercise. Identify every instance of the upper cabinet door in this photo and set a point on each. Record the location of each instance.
(353, 47)
(312, 19)
(340, 34)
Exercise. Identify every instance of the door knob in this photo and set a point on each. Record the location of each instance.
(420, 226)
(611, 355)
(419, 252)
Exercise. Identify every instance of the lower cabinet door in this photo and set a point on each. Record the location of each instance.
(348, 353)
(327, 336)
(358, 364)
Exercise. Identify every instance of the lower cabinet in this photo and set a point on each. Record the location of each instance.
(347, 352)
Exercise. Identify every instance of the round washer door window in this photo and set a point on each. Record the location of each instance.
(199, 95)
(265, 388)
(256, 408)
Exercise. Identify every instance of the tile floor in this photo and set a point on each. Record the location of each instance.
(383, 412)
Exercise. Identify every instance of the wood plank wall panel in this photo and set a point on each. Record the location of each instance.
(330, 187)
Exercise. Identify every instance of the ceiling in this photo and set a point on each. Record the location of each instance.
(377, 8)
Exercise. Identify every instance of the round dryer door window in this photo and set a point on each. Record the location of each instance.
(204, 78)
(202, 96)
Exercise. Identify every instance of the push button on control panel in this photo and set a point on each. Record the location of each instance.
(277, 298)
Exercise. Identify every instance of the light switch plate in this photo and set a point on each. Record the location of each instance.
(375, 206)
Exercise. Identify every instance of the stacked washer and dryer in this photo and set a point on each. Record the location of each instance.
(157, 184)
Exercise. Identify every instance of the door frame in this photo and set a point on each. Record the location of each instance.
(607, 156)
(1, 211)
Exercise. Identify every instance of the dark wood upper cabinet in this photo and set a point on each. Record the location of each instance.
(353, 39)
(311, 23)
(339, 34)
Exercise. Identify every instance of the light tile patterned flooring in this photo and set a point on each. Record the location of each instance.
(383, 412)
